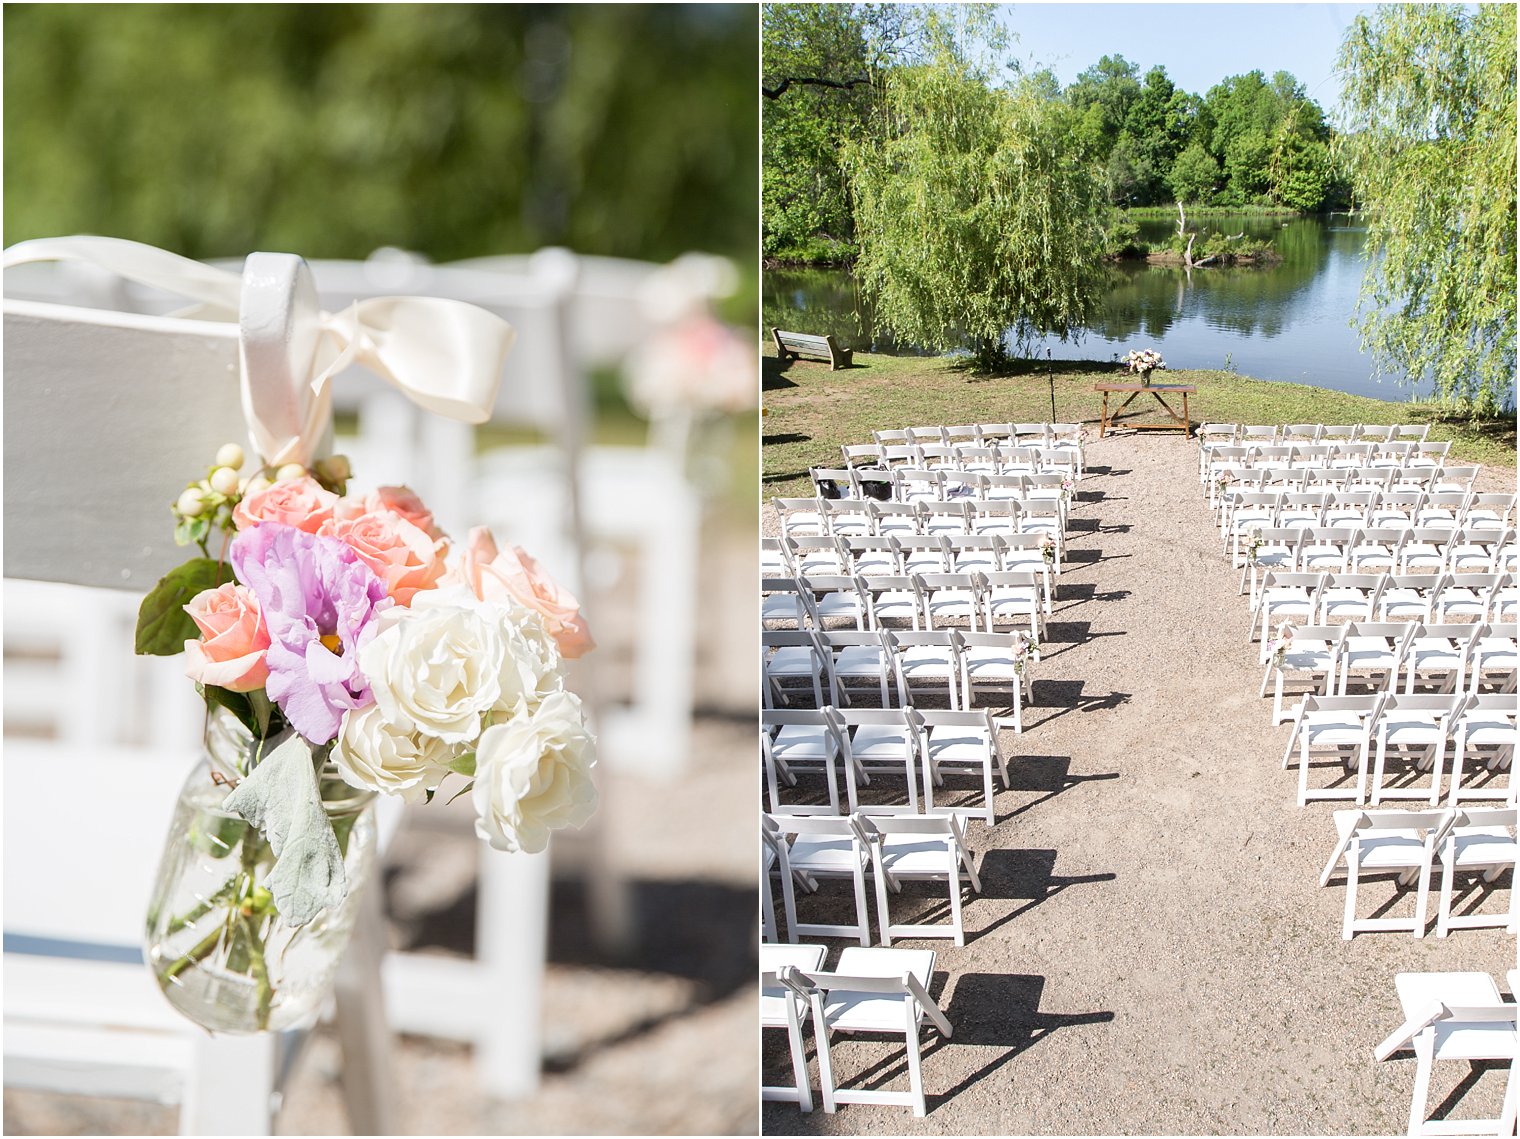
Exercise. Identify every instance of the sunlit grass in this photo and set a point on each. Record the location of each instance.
(810, 410)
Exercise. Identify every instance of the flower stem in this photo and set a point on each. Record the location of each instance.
(258, 969)
(200, 952)
(194, 915)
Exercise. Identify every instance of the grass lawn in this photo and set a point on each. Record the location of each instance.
(810, 411)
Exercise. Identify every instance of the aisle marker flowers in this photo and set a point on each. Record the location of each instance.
(337, 627)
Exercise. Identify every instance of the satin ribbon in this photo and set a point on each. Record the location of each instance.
(444, 355)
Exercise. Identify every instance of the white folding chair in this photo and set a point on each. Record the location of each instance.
(1400, 842)
(892, 600)
(1284, 597)
(881, 742)
(950, 598)
(856, 662)
(1437, 654)
(1372, 652)
(782, 1006)
(996, 662)
(1412, 729)
(959, 742)
(797, 740)
(1480, 841)
(835, 597)
(1454, 1016)
(790, 655)
(1306, 649)
(823, 847)
(1336, 728)
(1484, 731)
(919, 848)
(923, 663)
(877, 991)
(1495, 656)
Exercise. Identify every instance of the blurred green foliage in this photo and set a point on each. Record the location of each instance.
(331, 130)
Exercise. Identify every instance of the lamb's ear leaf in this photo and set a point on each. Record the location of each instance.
(280, 796)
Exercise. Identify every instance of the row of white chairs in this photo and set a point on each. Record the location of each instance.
(1374, 655)
(801, 849)
(1324, 598)
(1399, 453)
(990, 601)
(987, 458)
(1313, 432)
(872, 990)
(812, 518)
(919, 745)
(904, 482)
(1461, 1017)
(1360, 737)
(1464, 840)
(1064, 433)
(1467, 510)
(873, 555)
(897, 667)
(1414, 550)
(1230, 481)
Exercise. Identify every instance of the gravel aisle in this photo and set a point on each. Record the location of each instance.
(1151, 953)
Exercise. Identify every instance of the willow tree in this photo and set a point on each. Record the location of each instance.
(975, 212)
(1430, 143)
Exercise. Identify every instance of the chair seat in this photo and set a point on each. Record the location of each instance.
(958, 745)
(879, 742)
(858, 660)
(825, 854)
(875, 1012)
(1394, 849)
(1483, 846)
(792, 660)
(915, 855)
(796, 742)
(921, 660)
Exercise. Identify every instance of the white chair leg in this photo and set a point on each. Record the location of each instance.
(511, 946)
(229, 1089)
(799, 1057)
(825, 1064)
(369, 1082)
(915, 1061)
(1424, 1051)
(1347, 926)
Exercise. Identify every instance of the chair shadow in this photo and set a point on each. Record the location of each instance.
(1088, 591)
(1066, 696)
(1024, 875)
(771, 374)
(1001, 1010)
(1048, 774)
(1476, 1070)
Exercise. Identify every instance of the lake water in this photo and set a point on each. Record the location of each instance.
(1287, 321)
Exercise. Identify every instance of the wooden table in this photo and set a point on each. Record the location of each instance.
(1174, 422)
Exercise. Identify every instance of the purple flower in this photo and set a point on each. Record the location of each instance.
(319, 602)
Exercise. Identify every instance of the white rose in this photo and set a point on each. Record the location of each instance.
(533, 775)
(531, 666)
(436, 666)
(374, 754)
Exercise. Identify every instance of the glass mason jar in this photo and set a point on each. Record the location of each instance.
(215, 941)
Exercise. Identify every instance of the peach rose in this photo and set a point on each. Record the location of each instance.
(398, 500)
(301, 503)
(230, 653)
(513, 575)
(401, 554)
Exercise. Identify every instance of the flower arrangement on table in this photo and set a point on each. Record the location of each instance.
(1143, 362)
(344, 652)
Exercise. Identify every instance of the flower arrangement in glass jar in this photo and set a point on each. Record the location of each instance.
(342, 651)
(1143, 362)
(1025, 649)
(1278, 647)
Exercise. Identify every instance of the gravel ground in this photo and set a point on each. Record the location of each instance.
(1151, 953)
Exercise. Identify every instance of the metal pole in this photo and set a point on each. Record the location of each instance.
(1050, 372)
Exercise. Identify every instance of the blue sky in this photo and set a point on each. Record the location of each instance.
(1198, 44)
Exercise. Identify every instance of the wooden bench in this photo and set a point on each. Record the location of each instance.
(795, 345)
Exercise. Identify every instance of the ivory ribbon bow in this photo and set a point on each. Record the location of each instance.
(444, 355)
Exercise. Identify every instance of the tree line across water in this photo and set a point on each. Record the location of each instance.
(1248, 142)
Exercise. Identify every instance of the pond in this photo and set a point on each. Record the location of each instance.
(1290, 320)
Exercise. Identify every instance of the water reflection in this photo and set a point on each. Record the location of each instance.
(1290, 320)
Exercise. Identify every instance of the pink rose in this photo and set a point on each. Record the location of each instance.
(301, 503)
(513, 575)
(401, 554)
(230, 653)
(398, 500)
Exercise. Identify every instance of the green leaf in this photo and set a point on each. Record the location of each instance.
(235, 702)
(470, 786)
(163, 626)
(464, 764)
(281, 797)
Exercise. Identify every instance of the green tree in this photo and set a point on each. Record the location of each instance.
(976, 213)
(1429, 99)
(454, 130)
(1194, 175)
(1103, 95)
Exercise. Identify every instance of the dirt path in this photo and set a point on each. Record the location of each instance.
(1151, 953)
